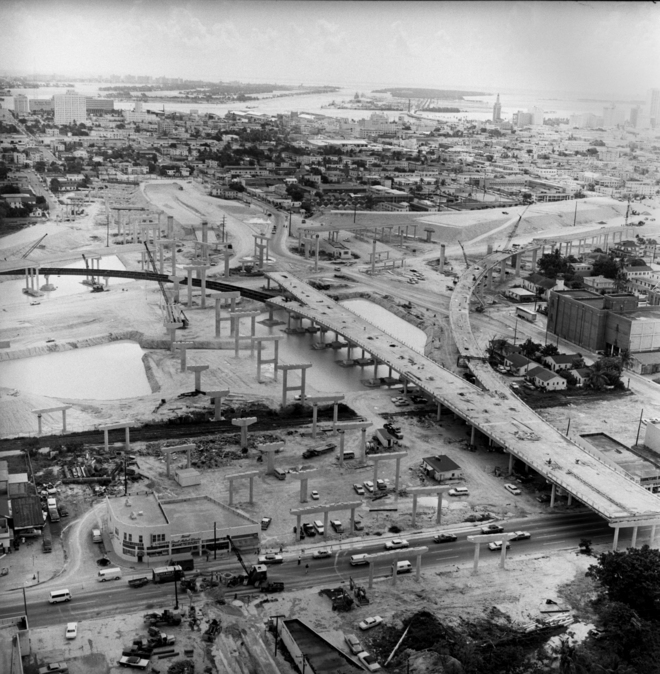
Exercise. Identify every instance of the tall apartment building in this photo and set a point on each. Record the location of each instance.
(653, 107)
(70, 107)
(21, 104)
(537, 116)
(497, 110)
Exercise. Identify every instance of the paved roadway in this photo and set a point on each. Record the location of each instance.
(496, 412)
(549, 532)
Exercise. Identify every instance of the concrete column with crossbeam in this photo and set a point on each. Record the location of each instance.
(168, 451)
(217, 397)
(285, 387)
(318, 400)
(243, 424)
(48, 410)
(197, 369)
(220, 299)
(118, 426)
(249, 474)
(417, 491)
(270, 449)
(261, 361)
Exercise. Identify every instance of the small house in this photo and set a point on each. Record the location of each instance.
(581, 376)
(441, 468)
(518, 364)
(546, 379)
(562, 361)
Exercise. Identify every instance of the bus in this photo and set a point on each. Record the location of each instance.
(167, 574)
(526, 314)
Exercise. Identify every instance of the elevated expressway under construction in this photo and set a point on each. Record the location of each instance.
(492, 410)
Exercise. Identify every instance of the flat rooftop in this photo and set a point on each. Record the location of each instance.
(184, 515)
(632, 463)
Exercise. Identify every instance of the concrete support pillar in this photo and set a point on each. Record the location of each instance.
(518, 259)
(190, 274)
(396, 477)
(64, 421)
(473, 435)
(503, 555)
(394, 573)
(251, 497)
(652, 539)
(552, 495)
(371, 575)
(510, 464)
(441, 268)
(438, 514)
(414, 510)
(39, 428)
(298, 527)
(418, 565)
(570, 499)
(534, 254)
(475, 564)
(303, 490)
(363, 443)
(342, 435)
(127, 439)
(615, 542)
(438, 413)
(326, 517)
(315, 411)
(633, 543)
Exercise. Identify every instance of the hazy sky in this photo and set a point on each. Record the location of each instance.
(590, 47)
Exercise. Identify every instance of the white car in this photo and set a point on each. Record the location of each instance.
(368, 623)
(396, 544)
(520, 535)
(271, 559)
(321, 554)
(513, 489)
(369, 661)
(71, 630)
(497, 545)
(369, 486)
(359, 489)
(459, 491)
(314, 495)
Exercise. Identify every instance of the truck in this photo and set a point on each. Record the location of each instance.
(526, 314)
(167, 574)
(318, 450)
(54, 513)
(138, 582)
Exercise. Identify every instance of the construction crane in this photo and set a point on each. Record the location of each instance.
(174, 315)
(509, 238)
(33, 247)
(257, 575)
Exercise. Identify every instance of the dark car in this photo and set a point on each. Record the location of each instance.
(308, 529)
(265, 522)
(444, 538)
(104, 561)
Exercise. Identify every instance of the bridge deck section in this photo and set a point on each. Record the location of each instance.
(497, 412)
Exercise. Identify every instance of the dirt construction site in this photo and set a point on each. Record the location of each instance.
(172, 414)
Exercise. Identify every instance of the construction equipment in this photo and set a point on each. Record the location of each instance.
(257, 575)
(512, 233)
(167, 617)
(212, 630)
(33, 247)
(467, 263)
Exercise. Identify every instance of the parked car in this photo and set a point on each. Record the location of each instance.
(444, 538)
(358, 526)
(53, 668)
(396, 544)
(497, 545)
(265, 522)
(337, 526)
(369, 661)
(513, 489)
(271, 558)
(520, 535)
(492, 529)
(133, 661)
(459, 491)
(71, 630)
(314, 495)
(369, 486)
(359, 489)
(321, 554)
(381, 484)
(353, 643)
(308, 529)
(369, 623)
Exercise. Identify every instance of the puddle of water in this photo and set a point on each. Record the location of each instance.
(104, 372)
(12, 291)
(388, 322)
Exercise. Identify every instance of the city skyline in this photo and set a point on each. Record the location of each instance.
(493, 45)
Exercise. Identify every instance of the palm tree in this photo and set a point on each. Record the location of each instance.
(597, 380)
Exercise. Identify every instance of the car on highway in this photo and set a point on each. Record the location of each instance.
(54, 668)
(271, 558)
(520, 535)
(314, 495)
(445, 538)
(353, 643)
(321, 554)
(497, 545)
(133, 661)
(459, 491)
(359, 489)
(397, 544)
(71, 630)
(265, 522)
(369, 486)
(492, 529)
(516, 491)
(369, 623)
(369, 661)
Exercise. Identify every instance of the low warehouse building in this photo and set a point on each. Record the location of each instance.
(441, 468)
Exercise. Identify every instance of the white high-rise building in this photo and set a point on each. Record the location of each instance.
(653, 107)
(537, 116)
(21, 104)
(70, 107)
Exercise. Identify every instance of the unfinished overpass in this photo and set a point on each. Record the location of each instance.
(496, 412)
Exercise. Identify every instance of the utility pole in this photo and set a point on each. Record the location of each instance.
(639, 427)
(176, 592)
